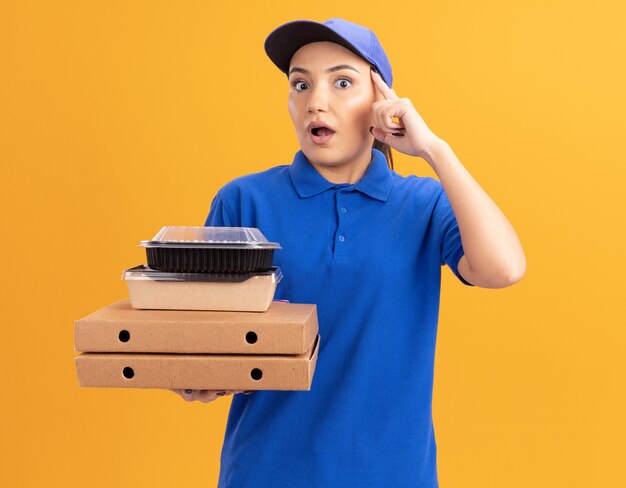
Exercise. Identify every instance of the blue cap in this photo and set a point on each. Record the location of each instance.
(285, 40)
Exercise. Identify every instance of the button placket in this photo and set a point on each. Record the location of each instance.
(342, 211)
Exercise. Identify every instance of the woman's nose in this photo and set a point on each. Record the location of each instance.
(318, 99)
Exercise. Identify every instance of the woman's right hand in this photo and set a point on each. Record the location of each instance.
(206, 396)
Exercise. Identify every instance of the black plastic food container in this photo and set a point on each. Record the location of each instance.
(188, 249)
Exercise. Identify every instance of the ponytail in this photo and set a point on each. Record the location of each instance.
(386, 150)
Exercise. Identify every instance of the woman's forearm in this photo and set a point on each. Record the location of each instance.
(493, 251)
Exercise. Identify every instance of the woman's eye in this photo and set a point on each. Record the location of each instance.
(344, 80)
(295, 84)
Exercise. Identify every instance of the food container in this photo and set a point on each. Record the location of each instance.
(183, 249)
(244, 292)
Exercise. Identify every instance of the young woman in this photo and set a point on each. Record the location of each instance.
(366, 245)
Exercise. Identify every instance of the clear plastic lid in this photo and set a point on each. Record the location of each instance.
(210, 237)
(143, 272)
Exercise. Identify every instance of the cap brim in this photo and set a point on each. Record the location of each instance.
(282, 43)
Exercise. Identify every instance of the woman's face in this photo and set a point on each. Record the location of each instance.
(331, 84)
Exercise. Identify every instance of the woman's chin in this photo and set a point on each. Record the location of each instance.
(322, 155)
(331, 156)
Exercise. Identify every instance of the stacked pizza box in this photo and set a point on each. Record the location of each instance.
(201, 315)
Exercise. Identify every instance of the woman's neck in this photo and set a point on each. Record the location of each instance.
(345, 173)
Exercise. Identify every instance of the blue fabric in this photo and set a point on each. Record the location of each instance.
(370, 256)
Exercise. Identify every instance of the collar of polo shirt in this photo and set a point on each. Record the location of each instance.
(376, 182)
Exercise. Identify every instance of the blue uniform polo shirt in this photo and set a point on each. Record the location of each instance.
(369, 255)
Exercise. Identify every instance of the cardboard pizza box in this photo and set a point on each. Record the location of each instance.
(198, 371)
(285, 328)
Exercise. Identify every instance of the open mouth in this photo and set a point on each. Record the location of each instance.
(321, 135)
(322, 131)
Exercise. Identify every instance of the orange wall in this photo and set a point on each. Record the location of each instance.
(117, 118)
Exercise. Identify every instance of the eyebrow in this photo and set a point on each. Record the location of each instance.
(329, 70)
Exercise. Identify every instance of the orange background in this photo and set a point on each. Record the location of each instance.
(117, 118)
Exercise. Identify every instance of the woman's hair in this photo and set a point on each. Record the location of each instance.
(385, 149)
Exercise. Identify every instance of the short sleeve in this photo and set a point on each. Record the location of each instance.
(219, 215)
(449, 235)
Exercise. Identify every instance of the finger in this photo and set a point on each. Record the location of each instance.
(382, 87)
(189, 395)
(387, 115)
(206, 396)
(393, 127)
(210, 395)
(387, 130)
(391, 124)
(384, 123)
(383, 134)
(386, 137)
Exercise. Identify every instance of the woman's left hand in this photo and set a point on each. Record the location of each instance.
(411, 135)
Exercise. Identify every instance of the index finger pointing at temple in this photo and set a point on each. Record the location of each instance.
(382, 87)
